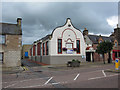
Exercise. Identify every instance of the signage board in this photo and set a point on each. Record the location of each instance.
(69, 51)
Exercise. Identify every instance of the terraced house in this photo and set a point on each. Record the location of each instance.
(10, 43)
(92, 42)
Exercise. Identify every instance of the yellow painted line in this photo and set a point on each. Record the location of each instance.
(25, 68)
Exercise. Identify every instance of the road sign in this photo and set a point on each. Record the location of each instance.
(117, 64)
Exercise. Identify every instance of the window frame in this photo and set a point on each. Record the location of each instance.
(43, 49)
(77, 47)
(115, 44)
(1, 61)
(2, 39)
(69, 43)
(58, 46)
(47, 48)
(38, 48)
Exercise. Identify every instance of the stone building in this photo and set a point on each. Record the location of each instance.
(92, 42)
(26, 51)
(10, 43)
(115, 37)
(63, 44)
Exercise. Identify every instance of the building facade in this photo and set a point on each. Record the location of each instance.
(64, 44)
(26, 51)
(10, 43)
(115, 36)
(92, 42)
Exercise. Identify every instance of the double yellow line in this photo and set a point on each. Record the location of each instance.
(25, 68)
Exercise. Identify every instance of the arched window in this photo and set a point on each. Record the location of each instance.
(59, 46)
(78, 46)
(115, 44)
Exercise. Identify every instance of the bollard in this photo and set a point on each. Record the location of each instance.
(116, 64)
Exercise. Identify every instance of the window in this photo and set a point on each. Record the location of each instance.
(78, 46)
(2, 39)
(115, 54)
(59, 46)
(115, 44)
(47, 48)
(100, 41)
(43, 48)
(31, 52)
(69, 45)
(1, 57)
(38, 49)
(34, 50)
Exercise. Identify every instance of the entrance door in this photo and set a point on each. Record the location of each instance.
(1, 57)
(88, 57)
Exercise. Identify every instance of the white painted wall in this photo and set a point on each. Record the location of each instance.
(68, 32)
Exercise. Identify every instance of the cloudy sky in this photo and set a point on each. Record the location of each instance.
(40, 18)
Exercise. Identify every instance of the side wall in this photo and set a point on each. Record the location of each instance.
(12, 51)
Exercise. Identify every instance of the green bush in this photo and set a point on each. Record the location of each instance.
(76, 61)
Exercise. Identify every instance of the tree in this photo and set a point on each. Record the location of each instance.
(105, 47)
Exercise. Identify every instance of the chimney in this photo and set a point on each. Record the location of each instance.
(85, 32)
(19, 21)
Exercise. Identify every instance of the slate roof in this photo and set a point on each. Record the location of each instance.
(44, 38)
(11, 29)
(94, 38)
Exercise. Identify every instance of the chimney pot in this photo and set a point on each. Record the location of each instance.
(19, 21)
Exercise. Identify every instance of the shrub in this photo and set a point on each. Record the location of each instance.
(64, 49)
(75, 49)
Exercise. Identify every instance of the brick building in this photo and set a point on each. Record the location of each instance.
(26, 51)
(10, 41)
(92, 42)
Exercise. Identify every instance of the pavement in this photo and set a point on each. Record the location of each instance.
(39, 66)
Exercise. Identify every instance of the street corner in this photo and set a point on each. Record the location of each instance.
(113, 71)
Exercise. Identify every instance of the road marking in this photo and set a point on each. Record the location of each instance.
(102, 77)
(56, 83)
(48, 81)
(103, 73)
(10, 85)
(43, 85)
(76, 76)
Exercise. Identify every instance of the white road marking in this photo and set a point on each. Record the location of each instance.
(10, 85)
(43, 85)
(48, 81)
(102, 77)
(76, 76)
(56, 83)
(103, 73)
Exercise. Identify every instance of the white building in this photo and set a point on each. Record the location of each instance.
(64, 44)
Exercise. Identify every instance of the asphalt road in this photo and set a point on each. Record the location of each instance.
(43, 77)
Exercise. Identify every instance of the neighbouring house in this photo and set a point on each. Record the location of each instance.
(11, 44)
(63, 44)
(26, 51)
(92, 42)
(116, 41)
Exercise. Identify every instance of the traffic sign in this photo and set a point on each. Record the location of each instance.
(117, 64)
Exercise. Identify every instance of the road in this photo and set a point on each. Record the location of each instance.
(94, 76)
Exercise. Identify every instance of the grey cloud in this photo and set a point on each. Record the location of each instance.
(40, 19)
